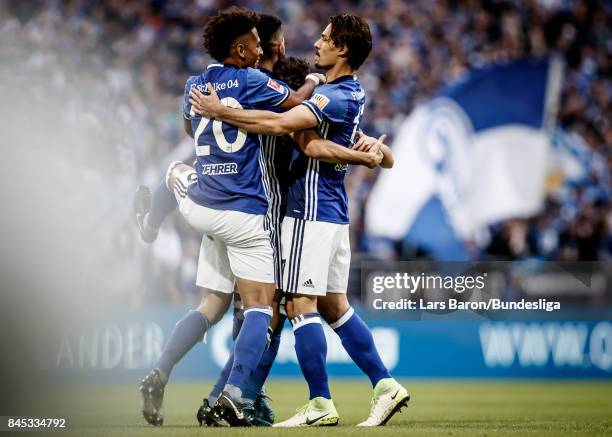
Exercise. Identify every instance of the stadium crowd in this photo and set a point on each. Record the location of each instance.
(116, 70)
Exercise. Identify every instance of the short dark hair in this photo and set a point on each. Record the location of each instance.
(352, 32)
(292, 71)
(222, 30)
(267, 27)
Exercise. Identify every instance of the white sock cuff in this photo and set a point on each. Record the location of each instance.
(258, 309)
(342, 320)
(299, 321)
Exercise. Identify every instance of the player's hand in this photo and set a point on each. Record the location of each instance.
(205, 105)
(365, 142)
(375, 152)
(317, 78)
(321, 77)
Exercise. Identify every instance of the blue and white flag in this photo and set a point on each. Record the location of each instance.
(474, 155)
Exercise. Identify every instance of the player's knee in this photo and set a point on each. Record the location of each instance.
(254, 293)
(214, 306)
(333, 306)
(175, 170)
(327, 313)
(301, 304)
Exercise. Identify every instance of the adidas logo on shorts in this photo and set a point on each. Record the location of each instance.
(308, 284)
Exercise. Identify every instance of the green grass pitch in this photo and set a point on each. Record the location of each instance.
(437, 408)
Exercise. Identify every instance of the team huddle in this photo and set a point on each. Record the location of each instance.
(272, 145)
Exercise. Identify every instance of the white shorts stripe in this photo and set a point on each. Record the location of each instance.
(294, 271)
(295, 256)
(315, 191)
(307, 190)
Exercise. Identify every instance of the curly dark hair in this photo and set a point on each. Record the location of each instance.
(267, 27)
(352, 32)
(222, 30)
(292, 71)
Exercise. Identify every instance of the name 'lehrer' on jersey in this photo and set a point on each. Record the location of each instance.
(220, 169)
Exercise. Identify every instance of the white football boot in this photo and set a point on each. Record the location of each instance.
(317, 412)
(389, 397)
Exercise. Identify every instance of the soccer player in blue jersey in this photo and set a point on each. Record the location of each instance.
(276, 155)
(276, 159)
(315, 230)
(226, 200)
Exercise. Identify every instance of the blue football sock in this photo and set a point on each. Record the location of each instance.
(221, 380)
(311, 350)
(257, 380)
(187, 332)
(162, 204)
(237, 323)
(359, 344)
(250, 345)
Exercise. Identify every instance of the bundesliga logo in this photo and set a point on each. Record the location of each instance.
(274, 85)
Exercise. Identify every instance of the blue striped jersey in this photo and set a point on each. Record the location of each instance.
(229, 164)
(317, 189)
(276, 152)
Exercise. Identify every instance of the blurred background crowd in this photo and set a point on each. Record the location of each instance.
(114, 71)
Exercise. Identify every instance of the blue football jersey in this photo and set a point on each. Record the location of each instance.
(276, 153)
(317, 189)
(228, 160)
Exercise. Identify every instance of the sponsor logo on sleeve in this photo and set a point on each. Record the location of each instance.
(275, 85)
(320, 100)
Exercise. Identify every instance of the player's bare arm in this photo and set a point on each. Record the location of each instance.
(187, 126)
(299, 119)
(252, 120)
(305, 92)
(365, 142)
(324, 150)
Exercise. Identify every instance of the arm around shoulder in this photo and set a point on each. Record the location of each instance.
(313, 146)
